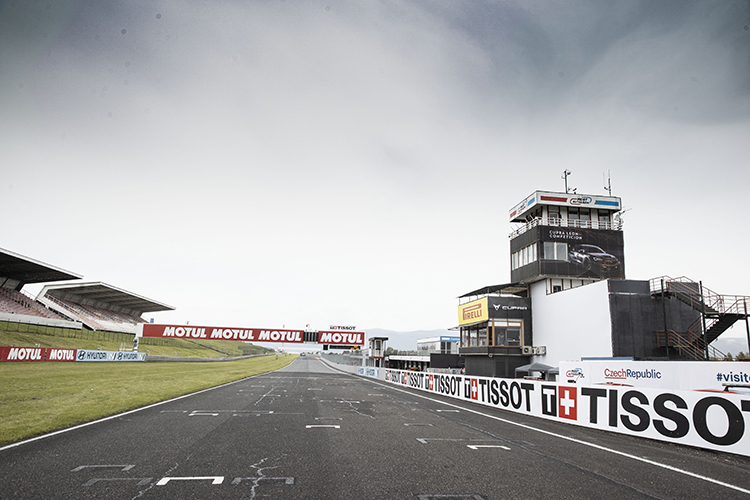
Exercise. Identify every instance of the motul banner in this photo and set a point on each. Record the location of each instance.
(37, 354)
(247, 334)
(21, 354)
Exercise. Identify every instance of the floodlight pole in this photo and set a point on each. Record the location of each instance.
(664, 309)
(703, 316)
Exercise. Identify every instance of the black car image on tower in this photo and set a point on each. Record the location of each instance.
(593, 258)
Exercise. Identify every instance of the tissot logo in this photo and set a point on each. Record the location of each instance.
(567, 399)
(474, 311)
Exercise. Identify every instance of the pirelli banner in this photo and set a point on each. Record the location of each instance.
(332, 337)
(473, 312)
(712, 420)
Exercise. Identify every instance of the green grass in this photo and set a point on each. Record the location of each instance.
(39, 397)
(23, 335)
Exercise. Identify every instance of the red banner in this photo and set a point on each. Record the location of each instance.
(37, 354)
(54, 354)
(21, 354)
(249, 334)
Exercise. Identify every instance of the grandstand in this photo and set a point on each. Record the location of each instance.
(99, 306)
(93, 306)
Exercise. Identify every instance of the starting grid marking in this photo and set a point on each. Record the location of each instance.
(124, 467)
(216, 413)
(477, 446)
(164, 481)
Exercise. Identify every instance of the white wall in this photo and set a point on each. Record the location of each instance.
(572, 324)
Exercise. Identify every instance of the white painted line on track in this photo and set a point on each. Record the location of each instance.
(214, 479)
(315, 426)
(124, 467)
(567, 438)
(286, 480)
(477, 446)
(142, 481)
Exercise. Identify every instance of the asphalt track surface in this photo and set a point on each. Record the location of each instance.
(309, 431)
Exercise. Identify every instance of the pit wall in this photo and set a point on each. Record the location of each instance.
(714, 421)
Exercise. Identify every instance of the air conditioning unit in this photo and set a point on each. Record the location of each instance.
(527, 349)
(540, 351)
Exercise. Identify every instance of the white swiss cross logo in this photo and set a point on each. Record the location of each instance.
(474, 389)
(567, 398)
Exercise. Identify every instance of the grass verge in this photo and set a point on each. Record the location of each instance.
(36, 398)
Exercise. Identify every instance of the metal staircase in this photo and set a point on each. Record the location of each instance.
(717, 314)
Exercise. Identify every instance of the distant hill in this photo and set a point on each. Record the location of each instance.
(406, 341)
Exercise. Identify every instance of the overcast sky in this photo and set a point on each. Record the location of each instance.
(284, 163)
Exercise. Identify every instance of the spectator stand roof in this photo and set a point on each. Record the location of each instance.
(102, 295)
(17, 270)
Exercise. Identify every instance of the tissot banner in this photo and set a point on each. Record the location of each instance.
(332, 337)
(716, 421)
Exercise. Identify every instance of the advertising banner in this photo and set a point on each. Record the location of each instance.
(368, 371)
(53, 354)
(572, 251)
(716, 421)
(86, 355)
(36, 354)
(21, 354)
(684, 375)
(473, 312)
(332, 337)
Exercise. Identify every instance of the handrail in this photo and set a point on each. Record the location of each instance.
(715, 303)
(560, 222)
(690, 343)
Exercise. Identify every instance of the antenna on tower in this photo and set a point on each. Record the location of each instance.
(566, 173)
(608, 185)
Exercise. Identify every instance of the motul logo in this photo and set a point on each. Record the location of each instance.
(24, 354)
(340, 338)
(61, 355)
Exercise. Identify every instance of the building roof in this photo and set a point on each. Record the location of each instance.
(26, 270)
(600, 202)
(102, 294)
(519, 289)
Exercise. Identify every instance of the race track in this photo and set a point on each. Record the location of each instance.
(309, 431)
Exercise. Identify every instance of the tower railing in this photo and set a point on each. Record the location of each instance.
(569, 223)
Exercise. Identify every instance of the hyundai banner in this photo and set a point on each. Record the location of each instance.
(86, 355)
